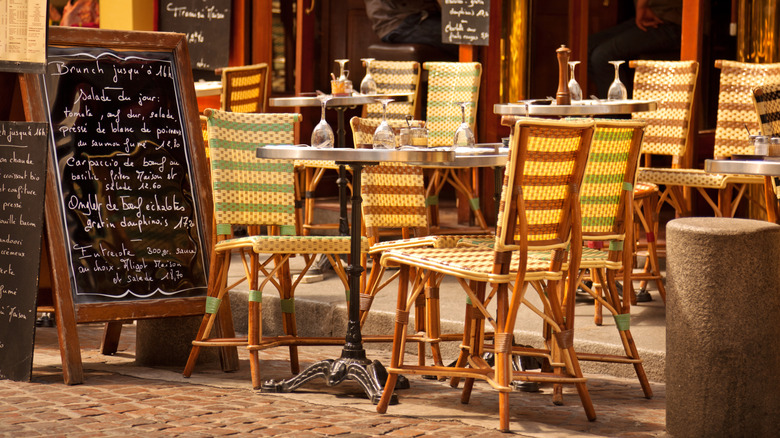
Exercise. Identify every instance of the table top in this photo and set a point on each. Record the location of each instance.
(547, 107)
(208, 88)
(348, 155)
(336, 101)
(768, 166)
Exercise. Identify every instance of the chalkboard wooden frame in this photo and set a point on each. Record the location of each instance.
(68, 313)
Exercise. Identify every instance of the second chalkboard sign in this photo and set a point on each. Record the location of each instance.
(206, 24)
(465, 22)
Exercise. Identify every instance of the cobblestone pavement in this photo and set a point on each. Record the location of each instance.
(120, 398)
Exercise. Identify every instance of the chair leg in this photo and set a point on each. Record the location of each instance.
(399, 337)
(217, 289)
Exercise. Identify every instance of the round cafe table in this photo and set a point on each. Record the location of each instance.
(353, 363)
(767, 167)
(585, 107)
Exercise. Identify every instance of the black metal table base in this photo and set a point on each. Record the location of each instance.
(370, 375)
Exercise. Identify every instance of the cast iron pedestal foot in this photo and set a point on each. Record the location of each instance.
(371, 376)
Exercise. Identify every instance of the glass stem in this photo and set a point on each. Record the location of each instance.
(322, 115)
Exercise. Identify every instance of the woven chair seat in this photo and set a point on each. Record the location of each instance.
(694, 178)
(642, 189)
(291, 244)
(469, 263)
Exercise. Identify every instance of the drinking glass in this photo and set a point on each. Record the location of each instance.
(464, 136)
(368, 84)
(342, 63)
(322, 137)
(617, 91)
(574, 87)
(384, 137)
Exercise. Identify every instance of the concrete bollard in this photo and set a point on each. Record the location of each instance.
(722, 328)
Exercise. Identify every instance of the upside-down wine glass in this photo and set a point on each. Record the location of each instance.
(464, 136)
(368, 84)
(617, 91)
(322, 137)
(384, 137)
(342, 63)
(574, 87)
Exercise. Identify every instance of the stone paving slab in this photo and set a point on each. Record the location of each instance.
(120, 398)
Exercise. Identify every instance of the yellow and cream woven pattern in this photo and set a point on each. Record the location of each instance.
(247, 190)
(395, 77)
(549, 165)
(609, 176)
(393, 197)
(552, 167)
(735, 104)
(243, 88)
(448, 83)
(672, 85)
(767, 102)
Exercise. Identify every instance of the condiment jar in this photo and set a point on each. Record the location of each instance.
(760, 144)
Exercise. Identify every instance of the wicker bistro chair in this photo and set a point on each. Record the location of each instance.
(767, 103)
(449, 83)
(607, 209)
(672, 84)
(735, 111)
(394, 77)
(244, 88)
(257, 193)
(538, 209)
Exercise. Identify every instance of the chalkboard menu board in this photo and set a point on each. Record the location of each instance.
(126, 191)
(206, 24)
(22, 184)
(465, 22)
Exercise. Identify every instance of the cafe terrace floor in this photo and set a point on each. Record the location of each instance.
(321, 310)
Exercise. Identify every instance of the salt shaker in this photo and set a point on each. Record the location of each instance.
(760, 145)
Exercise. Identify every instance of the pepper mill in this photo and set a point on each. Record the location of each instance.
(563, 97)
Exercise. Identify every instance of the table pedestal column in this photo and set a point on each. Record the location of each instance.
(353, 364)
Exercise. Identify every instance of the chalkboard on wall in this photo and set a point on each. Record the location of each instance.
(124, 178)
(465, 22)
(22, 185)
(206, 24)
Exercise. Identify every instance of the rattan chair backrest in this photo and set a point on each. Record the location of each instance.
(767, 103)
(244, 88)
(393, 193)
(395, 77)
(448, 83)
(735, 104)
(609, 179)
(547, 160)
(672, 84)
(248, 190)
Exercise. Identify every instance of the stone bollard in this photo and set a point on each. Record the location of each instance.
(722, 328)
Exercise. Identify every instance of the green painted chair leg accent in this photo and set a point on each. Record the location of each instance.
(623, 321)
(346, 293)
(288, 305)
(616, 245)
(256, 296)
(212, 304)
(474, 203)
(432, 200)
(468, 300)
